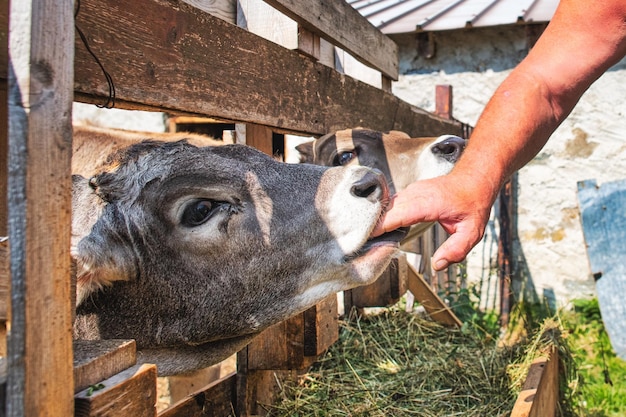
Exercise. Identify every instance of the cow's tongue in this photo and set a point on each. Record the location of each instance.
(395, 236)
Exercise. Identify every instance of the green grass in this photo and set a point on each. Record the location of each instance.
(601, 390)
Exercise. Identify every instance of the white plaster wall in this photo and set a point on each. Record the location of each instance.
(589, 144)
(117, 118)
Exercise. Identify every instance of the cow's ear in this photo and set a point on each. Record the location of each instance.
(306, 152)
(397, 134)
(100, 244)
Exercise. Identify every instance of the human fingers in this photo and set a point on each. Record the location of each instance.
(409, 206)
(457, 246)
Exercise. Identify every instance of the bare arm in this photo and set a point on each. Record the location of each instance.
(581, 42)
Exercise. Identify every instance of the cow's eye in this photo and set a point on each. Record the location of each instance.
(344, 157)
(198, 212)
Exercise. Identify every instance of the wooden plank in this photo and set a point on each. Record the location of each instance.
(131, 393)
(342, 25)
(288, 91)
(215, 400)
(263, 389)
(259, 137)
(434, 306)
(97, 360)
(183, 385)
(308, 43)
(4, 143)
(280, 347)
(604, 229)
(506, 209)
(443, 101)
(40, 374)
(295, 342)
(321, 327)
(4, 279)
(540, 394)
(4, 175)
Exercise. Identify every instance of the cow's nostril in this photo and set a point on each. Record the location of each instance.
(450, 148)
(370, 186)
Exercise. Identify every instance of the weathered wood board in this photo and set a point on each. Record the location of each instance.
(96, 360)
(131, 393)
(540, 394)
(40, 74)
(603, 216)
(215, 400)
(194, 63)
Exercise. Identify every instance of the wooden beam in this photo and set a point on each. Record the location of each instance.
(40, 374)
(194, 63)
(216, 400)
(260, 137)
(97, 360)
(131, 393)
(434, 306)
(4, 175)
(342, 25)
(540, 394)
(443, 101)
(321, 327)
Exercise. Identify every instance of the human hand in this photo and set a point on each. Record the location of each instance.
(461, 209)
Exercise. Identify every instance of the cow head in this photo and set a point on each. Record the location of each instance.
(400, 158)
(193, 251)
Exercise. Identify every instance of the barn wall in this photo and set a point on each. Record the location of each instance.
(550, 251)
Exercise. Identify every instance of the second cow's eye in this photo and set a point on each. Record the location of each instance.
(343, 158)
(198, 212)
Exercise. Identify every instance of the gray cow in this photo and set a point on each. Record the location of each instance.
(192, 251)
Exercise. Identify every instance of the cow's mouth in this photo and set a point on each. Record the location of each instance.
(392, 238)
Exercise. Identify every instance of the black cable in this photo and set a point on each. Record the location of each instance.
(110, 103)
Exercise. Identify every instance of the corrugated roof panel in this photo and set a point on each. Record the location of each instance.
(404, 16)
(461, 15)
(374, 7)
(542, 11)
(504, 12)
(397, 12)
(421, 13)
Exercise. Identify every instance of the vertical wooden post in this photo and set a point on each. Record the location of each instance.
(505, 250)
(4, 252)
(41, 73)
(260, 137)
(443, 101)
(386, 84)
(308, 43)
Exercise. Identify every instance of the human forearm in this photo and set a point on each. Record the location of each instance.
(576, 48)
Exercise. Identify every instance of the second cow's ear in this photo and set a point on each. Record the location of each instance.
(306, 152)
(100, 244)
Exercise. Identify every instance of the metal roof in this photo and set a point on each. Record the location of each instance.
(404, 16)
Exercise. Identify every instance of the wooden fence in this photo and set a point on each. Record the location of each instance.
(191, 58)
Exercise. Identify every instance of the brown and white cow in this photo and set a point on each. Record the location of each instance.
(192, 251)
(399, 157)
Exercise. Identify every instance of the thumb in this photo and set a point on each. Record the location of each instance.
(455, 249)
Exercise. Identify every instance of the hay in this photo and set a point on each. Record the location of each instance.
(400, 364)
